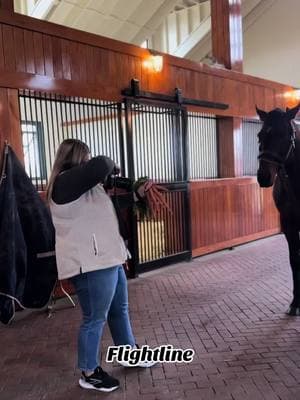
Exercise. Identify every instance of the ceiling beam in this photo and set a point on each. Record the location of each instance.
(191, 41)
(155, 21)
(42, 8)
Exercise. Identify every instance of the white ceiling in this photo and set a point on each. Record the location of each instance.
(126, 20)
(134, 21)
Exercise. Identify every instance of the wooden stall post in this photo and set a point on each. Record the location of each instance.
(7, 5)
(227, 49)
(10, 127)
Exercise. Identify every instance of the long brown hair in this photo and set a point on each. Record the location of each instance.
(71, 152)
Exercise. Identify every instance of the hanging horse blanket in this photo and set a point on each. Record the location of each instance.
(27, 241)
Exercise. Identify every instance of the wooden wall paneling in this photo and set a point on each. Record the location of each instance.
(186, 78)
(57, 57)
(15, 125)
(4, 119)
(163, 79)
(269, 99)
(133, 70)
(235, 213)
(205, 87)
(182, 232)
(155, 81)
(209, 87)
(66, 59)
(19, 48)
(220, 88)
(48, 56)
(8, 48)
(269, 212)
(58, 86)
(123, 64)
(229, 212)
(39, 53)
(217, 217)
(247, 101)
(104, 67)
(193, 223)
(207, 216)
(98, 56)
(174, 80)
(249, 204)
(205, 208)
(281, 101)
(72, 50)
(136, 67)
(195, 211)
(197, 207)
(29, 51)
(256, 206)
(171, 71)
(112, 75)
(176, 223)
(259, 96)
(210, 84)
(123, 48)
(82, 56)
(144, 82)
(181, 81)
(90, 65)
(10, 127)
(1, 50)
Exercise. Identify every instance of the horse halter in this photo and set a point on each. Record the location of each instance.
(272, 158)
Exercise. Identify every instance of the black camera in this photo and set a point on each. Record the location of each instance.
(115, 181)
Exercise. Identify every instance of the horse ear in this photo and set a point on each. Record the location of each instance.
(292, 112)
(262, 114)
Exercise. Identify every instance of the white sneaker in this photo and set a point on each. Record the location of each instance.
(141, 364)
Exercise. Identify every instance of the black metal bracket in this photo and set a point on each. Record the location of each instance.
(135, 92)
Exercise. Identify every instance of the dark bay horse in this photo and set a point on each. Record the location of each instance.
(279, 165)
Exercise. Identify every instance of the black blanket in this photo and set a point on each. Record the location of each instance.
(27, 271)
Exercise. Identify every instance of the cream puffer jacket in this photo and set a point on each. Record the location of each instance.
(87, 234)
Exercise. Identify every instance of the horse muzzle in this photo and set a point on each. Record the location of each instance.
(265, 177)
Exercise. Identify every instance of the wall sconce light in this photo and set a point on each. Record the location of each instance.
(154, 62)
(292, 95)
(297, 94)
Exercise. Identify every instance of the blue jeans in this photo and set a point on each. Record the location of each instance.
(103, 296)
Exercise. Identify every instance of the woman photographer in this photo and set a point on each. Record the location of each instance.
(90, 251)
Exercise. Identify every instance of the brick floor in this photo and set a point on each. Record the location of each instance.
(229, 306)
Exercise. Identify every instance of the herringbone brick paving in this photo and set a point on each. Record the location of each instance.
(229, 307)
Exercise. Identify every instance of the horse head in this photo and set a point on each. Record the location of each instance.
(276, 142)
